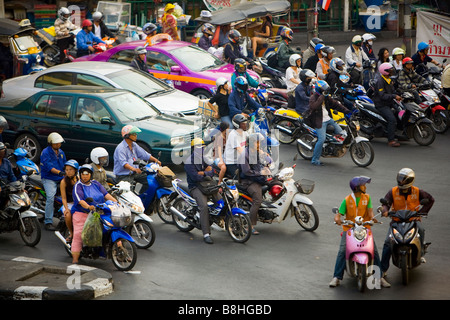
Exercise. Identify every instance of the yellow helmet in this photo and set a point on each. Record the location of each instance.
(168, 7)
(197, 142)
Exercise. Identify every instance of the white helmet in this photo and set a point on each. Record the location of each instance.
(62, 12)
(97, 16)
(54, 137)
(293, 59)
(98, 153)
(368, 36)
(221, 81)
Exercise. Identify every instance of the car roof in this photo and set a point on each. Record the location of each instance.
(103, 68)
(88, 90)
(166, 45)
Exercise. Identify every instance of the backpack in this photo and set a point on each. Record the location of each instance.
(272, 59)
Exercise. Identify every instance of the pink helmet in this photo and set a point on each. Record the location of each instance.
(384, 68)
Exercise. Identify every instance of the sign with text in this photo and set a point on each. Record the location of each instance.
(434, 29)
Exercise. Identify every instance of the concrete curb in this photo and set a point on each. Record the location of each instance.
(25, 278)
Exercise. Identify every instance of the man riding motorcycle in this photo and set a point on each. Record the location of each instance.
(409, 80)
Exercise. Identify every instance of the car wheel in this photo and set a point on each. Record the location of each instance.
(29, 143)
(202, 94)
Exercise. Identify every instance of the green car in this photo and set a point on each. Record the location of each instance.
(89, 117)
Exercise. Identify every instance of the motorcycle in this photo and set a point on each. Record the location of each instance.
(288, 123)
(71, 53)
(22, 164)
(360, 250)
(284, 197)
(116, 243)
(267, 96)
(431, 106)
(15, 213)
(260, 122)
(141, 230)
(51, 50)
(336, 146)
(187, 217)
(404, 239)
(274, 77)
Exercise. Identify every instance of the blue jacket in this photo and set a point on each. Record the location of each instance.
(237, 102)
(193, 164)
(6, 172)
(49, 160)
(302, 95)
(84, 40)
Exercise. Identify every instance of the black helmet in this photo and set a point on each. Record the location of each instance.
(314, 41)
(306, 73)
(405, 178)
(238, 119)
(234, 36)
(239, 63)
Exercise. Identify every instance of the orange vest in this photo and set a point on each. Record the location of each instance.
(352, 211)
(325, 66)
(410, 203)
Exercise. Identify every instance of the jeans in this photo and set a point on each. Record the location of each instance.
(50, 187)
(321, 136)
(227, 119)
(339, 267)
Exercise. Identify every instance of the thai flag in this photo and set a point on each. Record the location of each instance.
(324, 3)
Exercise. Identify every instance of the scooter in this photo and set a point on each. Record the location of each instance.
(431, 106)
(22, 164)
(259, 122)
(15, 213)
(141, 229)
(359, 251)
(287, 198)
(272, 76)
(404, 239)
(116, 243)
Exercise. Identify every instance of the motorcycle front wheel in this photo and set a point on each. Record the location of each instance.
(362, 153)
(239, 227)
(51, 55)
(181, 206)
(31, 234)
(361, 277)
(282, 136)
(124, 254)
(306, 216)
(440, 121)
(162, 208)
(424, 134)
(143, 234)
(307, 139)
(405, 269)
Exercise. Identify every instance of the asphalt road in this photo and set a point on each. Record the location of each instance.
(284, 262)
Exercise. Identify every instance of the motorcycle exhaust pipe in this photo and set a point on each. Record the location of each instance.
(60, 237)
(310, 148)
(37, 210)
(286, 130)
(178, 213)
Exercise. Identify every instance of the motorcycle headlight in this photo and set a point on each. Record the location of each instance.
(38, 58)
(360, 233)
(286, 174)
(397, 235)
(356, 124)
(133, 207)
(410, 234)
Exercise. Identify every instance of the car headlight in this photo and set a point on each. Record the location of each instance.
(360, 233)
(176, 140)
(410, 234)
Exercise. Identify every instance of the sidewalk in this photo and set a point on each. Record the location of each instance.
(35, 279)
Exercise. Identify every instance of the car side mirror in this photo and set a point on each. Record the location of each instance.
(107, 120)
(175, 69)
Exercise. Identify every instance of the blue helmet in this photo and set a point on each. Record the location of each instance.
(241, 84)
(72, 163)
(86, 167)
(318, 47)
(422, 46)
(322, 87)
(358, 181)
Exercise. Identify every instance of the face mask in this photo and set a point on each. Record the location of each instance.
(370, 42)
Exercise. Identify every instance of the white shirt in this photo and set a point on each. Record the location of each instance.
(325, 116)
(236, 138)
(291, 73)
(97, 30)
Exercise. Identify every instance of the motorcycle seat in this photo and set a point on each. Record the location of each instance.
(36, 180)
(184, 186)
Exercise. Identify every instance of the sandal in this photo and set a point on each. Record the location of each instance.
(69, 239)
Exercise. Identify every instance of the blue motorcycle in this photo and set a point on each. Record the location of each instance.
(259, 123)
(117, 245)
(22, 164)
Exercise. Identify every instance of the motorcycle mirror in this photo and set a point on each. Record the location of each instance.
(281, 165)
(383, 201)
(444, 61)
(335, 210)
(86, 161)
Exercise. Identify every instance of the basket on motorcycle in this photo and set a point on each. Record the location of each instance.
(305, 186)
(164, 176)
(120, 215)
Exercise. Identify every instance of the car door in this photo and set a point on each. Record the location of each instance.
(97, 129)
(159, 65)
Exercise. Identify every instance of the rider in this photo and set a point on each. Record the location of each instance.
(99, 28)
(232, 50)
(409, 80)
(254, 172)
(263, 36)
(422, 57)
(303, 91)
(240, 69)
(139, 59)
(293, 78)
(235, 144)
(63, 26)
(320, 116)
(6, 172)
(239, 100)
(323, 65)
(86, 39)
(384, 94)
(85, 188)
(52, 172)
(66, 188)
(358, 203)
(284, 49)
(312, 61)
(205, 41)
(354, 55)
(126, 153)
(397, 57)
(197, 170)
(337, 68)
(310, 51)
(221, 99)
(149, 29)
(100, 159)
(405, 196)
(367, 45)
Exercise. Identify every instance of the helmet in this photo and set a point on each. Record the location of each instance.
(238, 119)
(63, 12)
(337, 65)
(3, 123)
(407, 60)
(422, 46)
(234, 36)
(86, 23)
(197, 143)
(314, 41)
(358, 181)
(221, 81)
(405, 178)
(129, 129)
(306, 73)
(397, 51)
(72, 163)
(318, 47)
(241, 84)
(148, 28)
(54, 137)
(322, 87)
(239, 63)
(97, 16)
(168, 7)
(275, 190)
(287, 33)
(208, 28)
(140, 50)
(368, 36)
(384, 68)
(98, 153)
(86, 167)
(356, 39)
(293, 59)
(2, 146)
(328, 50)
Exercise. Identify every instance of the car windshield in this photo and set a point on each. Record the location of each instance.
(196, 59)
(141, 84)
(130, 107)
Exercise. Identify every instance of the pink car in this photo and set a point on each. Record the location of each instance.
(190, 68)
